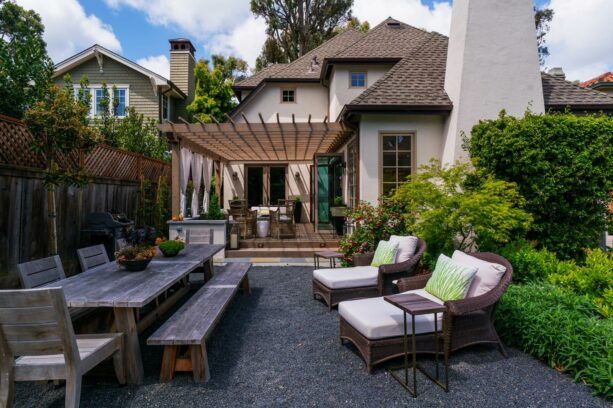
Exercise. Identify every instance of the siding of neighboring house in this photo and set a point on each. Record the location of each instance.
(428, 145)
(340, 91)
(310, 99)
(141, 95)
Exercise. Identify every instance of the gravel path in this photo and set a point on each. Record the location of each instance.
(279, 347)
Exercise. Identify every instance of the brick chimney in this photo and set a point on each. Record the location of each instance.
(182, 64)
(492, 64)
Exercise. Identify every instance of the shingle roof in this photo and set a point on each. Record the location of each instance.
(255, 79)
(559, 94)
(606, 77)
(389, 39)
(417, 80)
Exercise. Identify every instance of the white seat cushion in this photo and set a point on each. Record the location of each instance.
(407, 247)
(377, 319)
(355, 277)
(488, 273)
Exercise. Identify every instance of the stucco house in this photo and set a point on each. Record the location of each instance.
(148, 93)
(603, 83)
(357, 115)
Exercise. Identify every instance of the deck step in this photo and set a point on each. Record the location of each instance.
(302, 252)
(290, 243)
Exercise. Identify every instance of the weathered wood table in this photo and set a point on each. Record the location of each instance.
(111, 286)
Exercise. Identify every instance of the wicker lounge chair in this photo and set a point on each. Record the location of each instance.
(361, 274)
(468, 321)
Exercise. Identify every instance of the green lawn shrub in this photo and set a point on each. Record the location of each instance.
(563, 167)
(561, 328)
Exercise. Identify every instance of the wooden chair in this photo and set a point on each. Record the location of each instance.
(41, 272)
(35, 327)
(92, 257)
(199, 236)
(285, 219)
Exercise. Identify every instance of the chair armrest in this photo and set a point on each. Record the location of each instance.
(472, 304)
(413, 282)
(363, 259)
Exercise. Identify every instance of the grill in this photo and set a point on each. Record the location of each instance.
(106, 228)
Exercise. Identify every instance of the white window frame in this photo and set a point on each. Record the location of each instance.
(358, 86)
(92, 92)
(288, 89)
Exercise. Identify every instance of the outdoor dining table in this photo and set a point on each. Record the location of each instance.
(111, 286)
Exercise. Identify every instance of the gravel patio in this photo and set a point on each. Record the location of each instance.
(279, 347)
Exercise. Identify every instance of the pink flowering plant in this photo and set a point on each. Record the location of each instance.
(372, 225)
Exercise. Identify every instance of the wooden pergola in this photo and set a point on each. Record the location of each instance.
(253, 141)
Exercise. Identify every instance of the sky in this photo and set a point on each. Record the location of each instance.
(579, 40)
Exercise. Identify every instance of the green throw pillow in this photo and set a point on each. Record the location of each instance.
(385, 253)
(450, 280)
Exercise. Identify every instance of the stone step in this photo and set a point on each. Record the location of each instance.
(263, 243)
(303, 252)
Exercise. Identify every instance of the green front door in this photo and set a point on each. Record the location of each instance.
(329, 181)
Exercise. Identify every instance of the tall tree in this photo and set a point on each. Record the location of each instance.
(25, 67)
(59, 126)
(232, 68)
(214, 95)
(298, 26)
(353, 23)
(542, 18)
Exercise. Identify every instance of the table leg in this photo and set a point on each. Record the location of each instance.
(406, 352)
(126, 324)
(414, 356)
(436, 343)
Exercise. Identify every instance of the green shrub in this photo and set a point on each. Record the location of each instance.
(456, 208)
(214, 209)
(529, 264)
(563, 167)
(172, 247)
(374, 224)
(560, 328)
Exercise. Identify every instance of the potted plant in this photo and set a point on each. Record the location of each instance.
(297, 209)
(135, 258)
(337, 212)
(171, 248)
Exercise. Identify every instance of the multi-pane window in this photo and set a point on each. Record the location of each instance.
(119, 102)
(99, 101)
(397, 160)
(357, 80)
(165, 111)
(288, 95)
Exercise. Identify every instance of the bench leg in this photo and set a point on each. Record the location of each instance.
(208, 270)
(245, 285)
(200, 364)
(169, 360)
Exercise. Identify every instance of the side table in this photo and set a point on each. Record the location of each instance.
(416, 305)
(330, 255)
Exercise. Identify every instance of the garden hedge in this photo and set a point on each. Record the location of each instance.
(561, 328)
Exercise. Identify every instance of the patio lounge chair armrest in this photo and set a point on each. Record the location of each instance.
(413, 282)
(472, 304)
(363, 259)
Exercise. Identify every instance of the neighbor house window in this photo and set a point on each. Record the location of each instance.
(98, 101)
(288, 95)
(357, 80)
(119, 101)
(396, 161)
(165, 108)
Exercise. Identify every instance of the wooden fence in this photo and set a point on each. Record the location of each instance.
(114, 183)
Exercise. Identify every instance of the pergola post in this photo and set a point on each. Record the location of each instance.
(218, 180)
(175, 188)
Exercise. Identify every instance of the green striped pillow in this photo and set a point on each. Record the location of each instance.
(385, 253)
(450, 280)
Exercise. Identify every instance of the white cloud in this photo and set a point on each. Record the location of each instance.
(68, 29)
(158, 64)
(580, 38)
(227, 28)
(413, 12)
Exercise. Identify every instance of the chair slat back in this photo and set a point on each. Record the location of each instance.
(35, 322)
(40, 272)
(199, 236)
(92, 257)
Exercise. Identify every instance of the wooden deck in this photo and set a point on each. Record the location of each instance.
(307, 242)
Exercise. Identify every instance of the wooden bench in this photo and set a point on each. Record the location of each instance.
(194, 322)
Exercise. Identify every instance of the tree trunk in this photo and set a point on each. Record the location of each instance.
(51, 220)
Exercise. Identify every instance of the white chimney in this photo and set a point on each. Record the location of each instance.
(492, 64)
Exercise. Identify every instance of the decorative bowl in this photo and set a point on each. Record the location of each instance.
(135, 265)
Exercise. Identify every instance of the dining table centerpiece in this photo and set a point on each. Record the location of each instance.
(171, 247)
(135, 258)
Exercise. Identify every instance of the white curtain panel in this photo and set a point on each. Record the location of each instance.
(197, 180)
(206, 174)
(186, 161)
